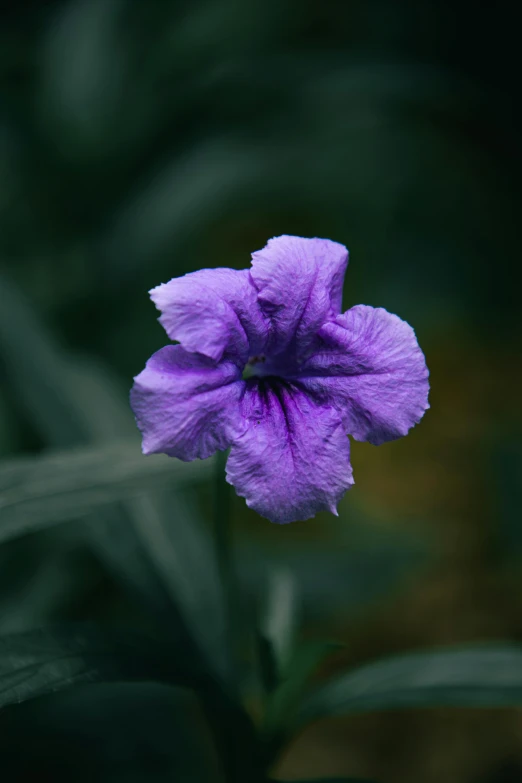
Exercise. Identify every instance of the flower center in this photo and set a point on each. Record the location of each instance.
(253, 367)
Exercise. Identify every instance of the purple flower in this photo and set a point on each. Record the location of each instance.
(268, 366)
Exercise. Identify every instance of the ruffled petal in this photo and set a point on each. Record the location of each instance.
(213, 311)
(293, 458)
(372, 370)
(185, 405)
(300, 284)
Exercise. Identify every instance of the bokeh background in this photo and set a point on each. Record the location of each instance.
(143, 140)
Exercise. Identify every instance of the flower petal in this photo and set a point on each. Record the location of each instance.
(293, 458)
(373, 371)
(300, 284)
(212, 311)
(185, 405)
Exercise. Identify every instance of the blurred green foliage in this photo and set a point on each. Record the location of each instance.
(140, 141)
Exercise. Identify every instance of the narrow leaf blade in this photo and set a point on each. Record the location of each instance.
(485, 676)
(171, 535)
(37, 492)
(39, 662)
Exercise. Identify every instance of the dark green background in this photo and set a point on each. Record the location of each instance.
(143, 140)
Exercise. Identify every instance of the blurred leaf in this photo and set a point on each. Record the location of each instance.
(181, 554)
(507, 474)
(488, 676)
(164, 567)
(356, 565)
(275, 630)
(35, 369)
(38, 588)
(268, 674)
(38, 662)
(71, 400)
(97, 399)
(115, 543)
(84, 68)
(282, 704)
(37, 492)
(280, 619)
(175, 201)
(117, 733)
(326, 780)
(76, 484)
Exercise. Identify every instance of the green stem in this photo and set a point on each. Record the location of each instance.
(246, 757)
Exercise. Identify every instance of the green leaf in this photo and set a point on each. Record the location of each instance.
(37, 583)
(161, 556)
(112, 733)
(70, 399)
(279, 621)
(171, 204)
(35, 369)
(282, 704)
(35, 663)
(276, 626)
(37, 492)
(181, 554)
(341, 574)
(327, 780)
(485, 676)
(160, 551)
(82, 101)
